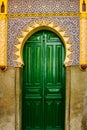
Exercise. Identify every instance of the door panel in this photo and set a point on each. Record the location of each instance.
(53, 84)
(53, 116)
(31, 69)
(33, 119)
(43, 89)
(53, 64)
(32, 85)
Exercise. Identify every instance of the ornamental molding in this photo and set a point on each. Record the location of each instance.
(42, 14)
(3, 41)
(83, 41)
(43, 24)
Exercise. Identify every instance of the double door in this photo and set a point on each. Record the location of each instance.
(43, 91)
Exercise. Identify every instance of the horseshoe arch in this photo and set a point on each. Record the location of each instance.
(36, 27)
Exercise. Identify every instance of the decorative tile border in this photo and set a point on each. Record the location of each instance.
(43, 15)
(43, 6)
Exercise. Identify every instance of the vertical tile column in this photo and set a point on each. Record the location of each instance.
(83, 34)
(3, 34)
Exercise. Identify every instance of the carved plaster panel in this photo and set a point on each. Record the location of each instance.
(69, 25)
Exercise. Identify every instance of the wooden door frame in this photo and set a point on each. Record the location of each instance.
(18, 98)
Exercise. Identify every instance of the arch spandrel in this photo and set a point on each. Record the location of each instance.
(36, 27)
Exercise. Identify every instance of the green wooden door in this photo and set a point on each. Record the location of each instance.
(43, 106)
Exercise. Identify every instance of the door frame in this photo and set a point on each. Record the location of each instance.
(18, 90)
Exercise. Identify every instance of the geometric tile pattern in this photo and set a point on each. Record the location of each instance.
(43, 6)
(70, 24)
(37, 26)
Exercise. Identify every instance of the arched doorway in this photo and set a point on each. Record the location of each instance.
(43, 91)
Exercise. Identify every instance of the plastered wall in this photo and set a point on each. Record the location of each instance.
(7, 99)
(10, 98)
(77, 97)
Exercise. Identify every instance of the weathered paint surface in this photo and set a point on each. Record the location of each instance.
(7, 100)
(77, 98)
